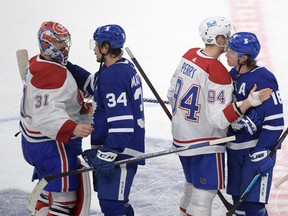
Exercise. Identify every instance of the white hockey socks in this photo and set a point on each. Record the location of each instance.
(201, 202)
(186, 198)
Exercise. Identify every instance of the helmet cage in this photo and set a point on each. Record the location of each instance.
(54, 41)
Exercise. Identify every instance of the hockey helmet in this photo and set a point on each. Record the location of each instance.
(113, 34)
(54, 41)
(245, 43)
(213, 26)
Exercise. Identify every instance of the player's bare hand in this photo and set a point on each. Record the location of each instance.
(264, 94)
(83, 130)
(256, 98)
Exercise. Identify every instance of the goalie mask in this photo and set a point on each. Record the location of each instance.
(54, 41)
(211, 27)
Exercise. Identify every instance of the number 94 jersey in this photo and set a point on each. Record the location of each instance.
(200, 94)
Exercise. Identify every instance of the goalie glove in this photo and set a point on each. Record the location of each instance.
(249, 123)
(261, 161)
(101, 159)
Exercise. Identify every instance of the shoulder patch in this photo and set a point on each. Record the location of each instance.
(218, 73)
(47, 75)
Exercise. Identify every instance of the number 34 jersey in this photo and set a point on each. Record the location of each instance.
(200, 93)
(118, 106)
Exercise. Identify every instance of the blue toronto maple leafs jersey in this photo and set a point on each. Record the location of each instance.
(118, 106)
(270, 112)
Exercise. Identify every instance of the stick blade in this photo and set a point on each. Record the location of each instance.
(22, 60)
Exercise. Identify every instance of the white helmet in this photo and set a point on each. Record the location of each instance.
(211, 27)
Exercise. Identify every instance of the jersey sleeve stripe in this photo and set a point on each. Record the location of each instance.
(118, 118)
(121, 130)
(269, 127)
(272, 117)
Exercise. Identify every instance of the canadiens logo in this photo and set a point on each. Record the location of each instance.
(59, 29)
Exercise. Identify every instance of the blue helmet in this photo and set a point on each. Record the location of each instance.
(245, 43)
(114, 34)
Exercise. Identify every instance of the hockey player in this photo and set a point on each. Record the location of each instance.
(118, 119)
(201, 94)
(50, 121)
(257, 131)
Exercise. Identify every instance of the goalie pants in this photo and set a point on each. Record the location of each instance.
(52, 157)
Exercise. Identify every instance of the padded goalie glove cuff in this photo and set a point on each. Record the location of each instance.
(261, 161)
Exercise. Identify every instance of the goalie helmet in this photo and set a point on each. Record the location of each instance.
(211, 27)
(113, 34)
(245, 43)
(54, 41)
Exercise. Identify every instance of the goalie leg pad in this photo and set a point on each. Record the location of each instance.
(43, 211)
(201, 202)
(42, 205)
(62, 203)
(82, 207)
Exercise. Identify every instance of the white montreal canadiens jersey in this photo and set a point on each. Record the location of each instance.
(51, 102)
(200, 93)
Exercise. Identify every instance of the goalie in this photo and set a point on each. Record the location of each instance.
(50, 122)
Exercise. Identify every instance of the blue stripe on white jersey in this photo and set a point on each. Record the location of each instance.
(33, 136)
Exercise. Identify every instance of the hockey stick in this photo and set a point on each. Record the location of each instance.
(256, 177)
(22, 60)
(43, 182)
(224, 201)
(152, 100)
(148, 82)
(281, 181)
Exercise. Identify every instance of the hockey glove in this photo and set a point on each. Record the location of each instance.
(249, 123)
(102, 160)
(261, 161)
(88, 154)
